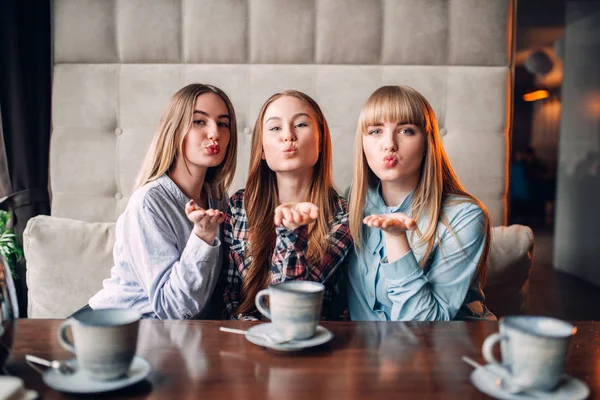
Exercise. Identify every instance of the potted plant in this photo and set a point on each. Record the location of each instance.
(9, 248)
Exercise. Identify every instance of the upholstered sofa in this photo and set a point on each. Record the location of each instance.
(118, 62)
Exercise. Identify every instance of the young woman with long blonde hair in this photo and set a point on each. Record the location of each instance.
(168, 252)
(421, 240)
(289, 223)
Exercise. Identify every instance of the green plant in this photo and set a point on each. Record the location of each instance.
(9, 248)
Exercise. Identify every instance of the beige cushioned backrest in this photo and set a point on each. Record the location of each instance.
(117, 62)
(67, 261)
(71, 258)
(509, 267)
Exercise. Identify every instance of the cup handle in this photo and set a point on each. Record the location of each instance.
(62, 336)
(488, 348)
(260, 304)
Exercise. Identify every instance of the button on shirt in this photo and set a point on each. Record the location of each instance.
(402, 290)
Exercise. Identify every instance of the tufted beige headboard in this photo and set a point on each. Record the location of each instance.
(117, 62)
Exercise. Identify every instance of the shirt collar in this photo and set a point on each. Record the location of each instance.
(166, 181)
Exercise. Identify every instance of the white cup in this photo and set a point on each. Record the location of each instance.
(294, 307)
(534, 350)
(105, 341)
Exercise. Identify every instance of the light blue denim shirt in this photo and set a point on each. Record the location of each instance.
(162, 269)
(403, 291)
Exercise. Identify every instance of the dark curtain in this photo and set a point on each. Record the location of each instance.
(25, 86)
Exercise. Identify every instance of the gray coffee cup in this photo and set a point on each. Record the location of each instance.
(534, 350)
(294, 307)
(105, 341)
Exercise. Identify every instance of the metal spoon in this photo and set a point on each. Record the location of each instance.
(271, 337)
(61, 366)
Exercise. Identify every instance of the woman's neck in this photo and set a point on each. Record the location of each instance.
(293, 186)
(189, 181)
(394, 192)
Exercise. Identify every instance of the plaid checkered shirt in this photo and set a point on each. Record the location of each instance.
(288, 261)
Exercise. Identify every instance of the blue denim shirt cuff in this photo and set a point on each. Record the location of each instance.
(401, 268)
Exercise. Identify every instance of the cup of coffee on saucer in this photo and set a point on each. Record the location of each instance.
(104, 341)
(534, 351)
(294, 308)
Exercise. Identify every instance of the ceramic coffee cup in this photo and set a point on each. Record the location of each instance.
(294, 307)
(534, 350)
(105, 341)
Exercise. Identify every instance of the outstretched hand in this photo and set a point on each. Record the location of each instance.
(206, 222)
(294, 215)
(393, 224)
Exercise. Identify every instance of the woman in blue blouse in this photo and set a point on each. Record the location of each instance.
(421, 240)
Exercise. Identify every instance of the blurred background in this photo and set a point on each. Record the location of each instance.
(554, 179)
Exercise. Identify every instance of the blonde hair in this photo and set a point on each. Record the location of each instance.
(261, 199)
(438, 180)
(167, 143)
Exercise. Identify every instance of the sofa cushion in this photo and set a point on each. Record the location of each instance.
(509, 265)
(67, 260)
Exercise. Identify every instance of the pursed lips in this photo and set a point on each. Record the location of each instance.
(213, 149)
(390, 161)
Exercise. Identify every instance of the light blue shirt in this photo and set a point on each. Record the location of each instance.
(162, 269)
(403, 291)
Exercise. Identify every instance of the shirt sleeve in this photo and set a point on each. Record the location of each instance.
(178, 283)
(289, 260)
(439, 294)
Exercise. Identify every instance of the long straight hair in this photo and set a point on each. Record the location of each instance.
(167, 143)
(261, 199)
(438, 180)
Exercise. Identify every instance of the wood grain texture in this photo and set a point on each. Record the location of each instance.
(194, 360)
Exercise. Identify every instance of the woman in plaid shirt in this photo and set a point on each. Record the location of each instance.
(289, 223)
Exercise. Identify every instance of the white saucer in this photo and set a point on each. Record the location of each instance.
(570, 388)
(80, 382)
(254, 335)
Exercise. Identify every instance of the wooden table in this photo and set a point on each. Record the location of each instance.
(193, 359)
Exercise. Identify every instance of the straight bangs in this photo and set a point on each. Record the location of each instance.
(393, 104)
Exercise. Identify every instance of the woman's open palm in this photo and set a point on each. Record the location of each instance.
(206, 222)
(293, 215)
(394, 224)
